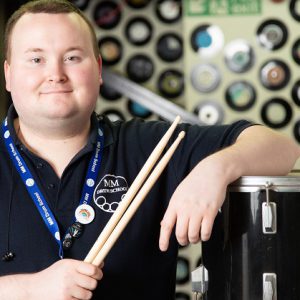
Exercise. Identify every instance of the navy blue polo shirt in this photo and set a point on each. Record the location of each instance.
(135, 268)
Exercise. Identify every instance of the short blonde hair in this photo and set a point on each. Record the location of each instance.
(50, 7)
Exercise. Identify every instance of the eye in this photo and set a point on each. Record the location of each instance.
(36, 60)
(72, 58)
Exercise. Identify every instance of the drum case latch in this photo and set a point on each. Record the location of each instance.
(269, 286)
(269, 214)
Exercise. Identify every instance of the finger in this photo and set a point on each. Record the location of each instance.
(206, 227)
(86, 282)
(81, 293)
(166, 227)
(194, 229)
(90, 270)
(182, 230)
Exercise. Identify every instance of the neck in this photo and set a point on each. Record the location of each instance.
(57, 147)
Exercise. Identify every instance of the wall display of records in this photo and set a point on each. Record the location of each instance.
(142, 40)
(244, 56)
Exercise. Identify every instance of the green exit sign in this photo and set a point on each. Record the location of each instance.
(222, 7)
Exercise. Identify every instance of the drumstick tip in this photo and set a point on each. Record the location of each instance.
(181, 134)
(177, 119)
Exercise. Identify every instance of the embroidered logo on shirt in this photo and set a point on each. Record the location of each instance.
(109, 192)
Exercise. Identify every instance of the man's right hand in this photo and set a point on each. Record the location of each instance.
(64, 280)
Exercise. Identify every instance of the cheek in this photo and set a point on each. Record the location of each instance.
(25, 80)
(89, 80)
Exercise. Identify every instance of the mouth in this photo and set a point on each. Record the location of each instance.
(56, 92)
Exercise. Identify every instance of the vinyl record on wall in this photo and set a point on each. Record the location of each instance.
(296, 93)
(205, 78)
(168, 11)
(107, 14)
(274, 74)
(108, 93)
(114, 115)
(207, 40)
(81, 4)
(169, 47)
(137, 4)
(239, 56)
(296, 131)
(209, 112)
(171, 83)
(138, 31)
(294, 9)
(240, 95)
(276, 113)
(296, 51)
(272, 34)
(183, 270)
(138, 110)
(111, 50)
(140, 68)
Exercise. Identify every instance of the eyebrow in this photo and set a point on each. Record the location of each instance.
(34, 50)
(30, 50)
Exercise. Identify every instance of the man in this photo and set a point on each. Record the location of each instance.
(53, 72)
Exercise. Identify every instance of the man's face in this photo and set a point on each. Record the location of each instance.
(52, 73)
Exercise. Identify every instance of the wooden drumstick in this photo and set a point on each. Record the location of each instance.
(135, 186)
(103, 251)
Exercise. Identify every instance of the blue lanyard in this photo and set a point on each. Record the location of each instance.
(34, 191)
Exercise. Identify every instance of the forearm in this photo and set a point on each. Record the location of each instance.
(262, 151)
(258, 151)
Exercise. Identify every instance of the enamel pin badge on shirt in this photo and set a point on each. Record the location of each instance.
(84, 214)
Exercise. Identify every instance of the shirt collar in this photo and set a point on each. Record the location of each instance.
(92, 139)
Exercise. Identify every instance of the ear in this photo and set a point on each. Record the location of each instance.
(99, 60)
(7, 75)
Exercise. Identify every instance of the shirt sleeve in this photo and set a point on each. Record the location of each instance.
(199, 142)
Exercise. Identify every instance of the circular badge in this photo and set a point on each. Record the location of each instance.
(76, 230)
(67, 241)
(84, 214)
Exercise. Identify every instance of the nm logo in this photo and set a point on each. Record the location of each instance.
(109, 192)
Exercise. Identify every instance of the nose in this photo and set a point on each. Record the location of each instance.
(56, 73)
